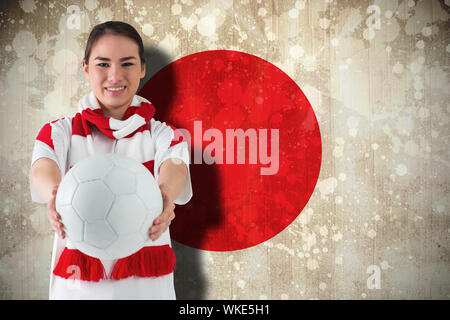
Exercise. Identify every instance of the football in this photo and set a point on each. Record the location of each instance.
(107, 203)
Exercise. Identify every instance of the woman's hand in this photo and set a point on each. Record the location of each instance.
(46, 177)
(54, 217)
(162, 222)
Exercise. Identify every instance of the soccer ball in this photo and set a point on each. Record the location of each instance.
(107, 203)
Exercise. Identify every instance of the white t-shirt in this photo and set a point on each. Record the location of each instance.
(160, 139)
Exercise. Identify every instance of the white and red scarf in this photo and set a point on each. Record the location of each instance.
(132, 135)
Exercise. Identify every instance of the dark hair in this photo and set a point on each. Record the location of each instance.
(114, 27)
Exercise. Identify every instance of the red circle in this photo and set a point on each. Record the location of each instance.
(234, 206)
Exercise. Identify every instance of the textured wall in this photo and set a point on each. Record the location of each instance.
(376, 73)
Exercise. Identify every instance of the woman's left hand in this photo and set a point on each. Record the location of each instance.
(162, 222)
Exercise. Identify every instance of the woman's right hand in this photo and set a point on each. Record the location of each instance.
(53, 215)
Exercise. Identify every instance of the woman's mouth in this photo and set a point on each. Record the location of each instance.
(115, 91)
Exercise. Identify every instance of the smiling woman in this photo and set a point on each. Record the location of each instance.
(116, 69)
(112, 119)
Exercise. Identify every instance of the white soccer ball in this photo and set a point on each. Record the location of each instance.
(107, 204)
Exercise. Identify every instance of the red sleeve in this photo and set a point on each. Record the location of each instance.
(177, 136)
(45, 135)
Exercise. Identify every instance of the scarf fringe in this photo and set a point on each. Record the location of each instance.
(147, 262)
(76, 265)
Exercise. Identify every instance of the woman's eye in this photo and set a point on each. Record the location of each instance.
(105, 65)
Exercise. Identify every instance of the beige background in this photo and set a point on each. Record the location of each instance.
(377, 225)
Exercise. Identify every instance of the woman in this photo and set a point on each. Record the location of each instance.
(112, 119)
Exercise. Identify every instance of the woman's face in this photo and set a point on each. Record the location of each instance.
(114, 70)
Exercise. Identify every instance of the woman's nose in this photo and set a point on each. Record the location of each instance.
(114, 74)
